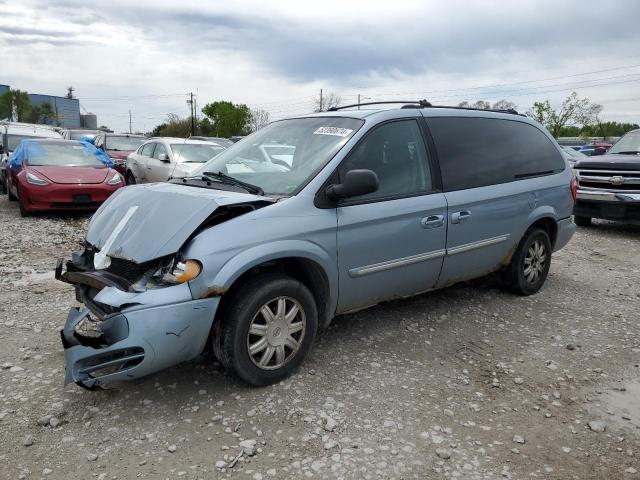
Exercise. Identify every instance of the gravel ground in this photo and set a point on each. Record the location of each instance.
(469, 382)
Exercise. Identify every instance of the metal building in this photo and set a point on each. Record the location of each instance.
(67, 109)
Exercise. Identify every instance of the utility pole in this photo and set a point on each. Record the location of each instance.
(193, 123)
(321, 107)
(129, 122)
(358, 101)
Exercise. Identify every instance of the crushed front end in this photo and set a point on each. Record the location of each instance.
(138, 318)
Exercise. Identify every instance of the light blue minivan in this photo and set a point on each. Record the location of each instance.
(252, 256)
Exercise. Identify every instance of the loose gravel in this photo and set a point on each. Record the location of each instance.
(468, 382)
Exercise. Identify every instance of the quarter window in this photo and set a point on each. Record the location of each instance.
(476, 152)
(396, 152)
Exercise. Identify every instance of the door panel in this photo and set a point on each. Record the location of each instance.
(482, 240)
(389, 249)
(158, 170)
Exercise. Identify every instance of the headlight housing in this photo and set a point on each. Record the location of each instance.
(115, 180)
(182, 271)
(35, 180)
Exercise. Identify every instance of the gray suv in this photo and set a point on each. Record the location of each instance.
(252, 257)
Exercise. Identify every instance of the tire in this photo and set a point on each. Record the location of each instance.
(582, 221)
(24, 211)
(275, 356)
(12, 197)
(129, 179)
(534, 252)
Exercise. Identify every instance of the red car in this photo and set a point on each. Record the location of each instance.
(118, 146)
(60, 175)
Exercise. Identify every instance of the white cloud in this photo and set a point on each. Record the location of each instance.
(147, 55)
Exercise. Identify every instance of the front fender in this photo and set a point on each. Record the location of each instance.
(258, 254)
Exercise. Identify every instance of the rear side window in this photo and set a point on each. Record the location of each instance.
(147, 149)
(475, 152)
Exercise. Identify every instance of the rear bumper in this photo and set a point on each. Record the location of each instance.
(619, 206)
(135, 342)
(566, 229)
(65, 197)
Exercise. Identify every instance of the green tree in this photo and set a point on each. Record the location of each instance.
(504, 105)
(43, 113)
(15, 106)
(573, 111)
(259, 118)
(225, 119)
(174, 126)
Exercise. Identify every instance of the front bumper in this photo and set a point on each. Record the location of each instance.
(55, 196)
(620, 206)
(136, 342)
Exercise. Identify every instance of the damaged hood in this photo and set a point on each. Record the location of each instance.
(144, 222)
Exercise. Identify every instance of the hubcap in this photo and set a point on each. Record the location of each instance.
(535, 261)
(276, 333)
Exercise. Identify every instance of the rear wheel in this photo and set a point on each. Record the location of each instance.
(582, 221)
(530, 264)
(268, 329)
(129, 179)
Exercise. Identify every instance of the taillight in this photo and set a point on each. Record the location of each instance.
(574, 188)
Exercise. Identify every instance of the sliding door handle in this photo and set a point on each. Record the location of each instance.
(462, 216)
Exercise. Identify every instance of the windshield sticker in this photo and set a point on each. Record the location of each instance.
(335, 131)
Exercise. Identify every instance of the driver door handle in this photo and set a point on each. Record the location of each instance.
(432, 221)
(461, 216)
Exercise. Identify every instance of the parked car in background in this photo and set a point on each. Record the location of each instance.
(49, 174)
(11, 134)
(595, 149)
(160, 159)
(377, 204)
(573, 155)
(118, 146)
(223, 142)
(81, 133)
(237, 138)
(609, 185)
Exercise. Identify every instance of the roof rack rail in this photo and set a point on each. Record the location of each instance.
(411, 104)
(426, 104)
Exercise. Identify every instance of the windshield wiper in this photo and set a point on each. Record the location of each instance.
(628, 152)
(223, 178)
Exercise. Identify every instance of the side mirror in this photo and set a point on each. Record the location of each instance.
(356, 182)
(163, 157)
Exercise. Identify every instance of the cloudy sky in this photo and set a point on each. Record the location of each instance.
(145, 56)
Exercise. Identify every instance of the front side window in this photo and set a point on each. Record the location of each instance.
(159, 151)
(396, 153)
(476, 152)
(314, 141)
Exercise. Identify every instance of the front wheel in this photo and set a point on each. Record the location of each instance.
(530, 264)
(12, 197)
(129, 179)
(24, 211)
(267, 329)
(582, 221)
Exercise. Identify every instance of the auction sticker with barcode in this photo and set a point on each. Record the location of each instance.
(336, 131)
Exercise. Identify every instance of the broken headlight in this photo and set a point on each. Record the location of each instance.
(182, 271)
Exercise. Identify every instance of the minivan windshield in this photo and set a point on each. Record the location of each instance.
(630, 143)
(303, 146)
(78, 134)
